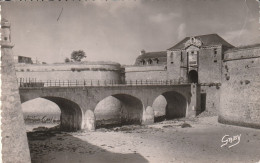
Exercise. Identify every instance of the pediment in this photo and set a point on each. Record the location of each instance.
(193, 42)
(192, 48)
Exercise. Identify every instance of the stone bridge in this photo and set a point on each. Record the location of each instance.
(137, 102)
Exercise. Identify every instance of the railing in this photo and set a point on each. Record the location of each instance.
(29, 82)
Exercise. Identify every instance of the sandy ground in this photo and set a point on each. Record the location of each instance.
(163, 142)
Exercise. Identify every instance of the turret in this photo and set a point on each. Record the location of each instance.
(6, 34)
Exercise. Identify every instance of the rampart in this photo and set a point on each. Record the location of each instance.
(239, 99)
(146, 72)
(69, 71)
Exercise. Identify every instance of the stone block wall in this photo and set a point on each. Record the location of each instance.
(210, 96)
(64, 72)
(174, 72)
(239, 100)
(210, 65)
(14, 140)
(146, 73)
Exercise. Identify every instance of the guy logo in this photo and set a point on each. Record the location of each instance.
(233, 140)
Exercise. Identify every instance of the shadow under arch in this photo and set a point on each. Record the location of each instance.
(71, 113)
(117, 110)
(169, 105)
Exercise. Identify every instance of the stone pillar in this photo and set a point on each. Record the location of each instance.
(14, 140)
(148, 116)
(194, 106)
(89, 121)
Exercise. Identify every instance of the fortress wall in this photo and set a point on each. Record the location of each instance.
(209, 65)
(14, 139)
(174, 72)
(210, 98)
(145, 73)
(239, 100)
(70, 72)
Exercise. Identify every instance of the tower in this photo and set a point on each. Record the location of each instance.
(14, 140)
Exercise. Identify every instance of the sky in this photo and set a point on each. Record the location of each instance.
(117, 30)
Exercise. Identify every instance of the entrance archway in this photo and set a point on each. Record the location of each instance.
(193, 76)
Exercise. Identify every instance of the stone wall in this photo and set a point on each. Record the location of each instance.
(239, 100)
(14, 139)
(146, 73)
(174, 71)
(210, 65)
(87, 71)
(210, 96)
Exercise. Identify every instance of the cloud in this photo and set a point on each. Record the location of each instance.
(242, 37)
(182, 31)
(161, 17)
(113, 6)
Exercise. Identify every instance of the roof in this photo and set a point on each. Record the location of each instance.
(207, 40)
(146, 55)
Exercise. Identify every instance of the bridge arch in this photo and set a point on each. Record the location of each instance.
(170, 105)
(118, 109)
(71, 113)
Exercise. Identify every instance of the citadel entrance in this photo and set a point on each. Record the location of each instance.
(193, 76)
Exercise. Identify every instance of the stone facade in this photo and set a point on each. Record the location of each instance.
(194, 59)
(228, 76)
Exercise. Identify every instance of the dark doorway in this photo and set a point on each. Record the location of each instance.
(193, 76)
(203, 102)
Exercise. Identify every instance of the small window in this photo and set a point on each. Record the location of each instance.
(5, 38)
(181, 57)
(215, 51)
(215, 61)
(171, 62)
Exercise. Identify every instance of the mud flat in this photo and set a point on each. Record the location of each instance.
(183, 140)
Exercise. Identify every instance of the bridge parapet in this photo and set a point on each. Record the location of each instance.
(32, 82)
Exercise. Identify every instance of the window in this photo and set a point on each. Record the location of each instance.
(215, 52)
(192, 58)
(5, 38)
(150, 61)
(215, 55)
(181, 57)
